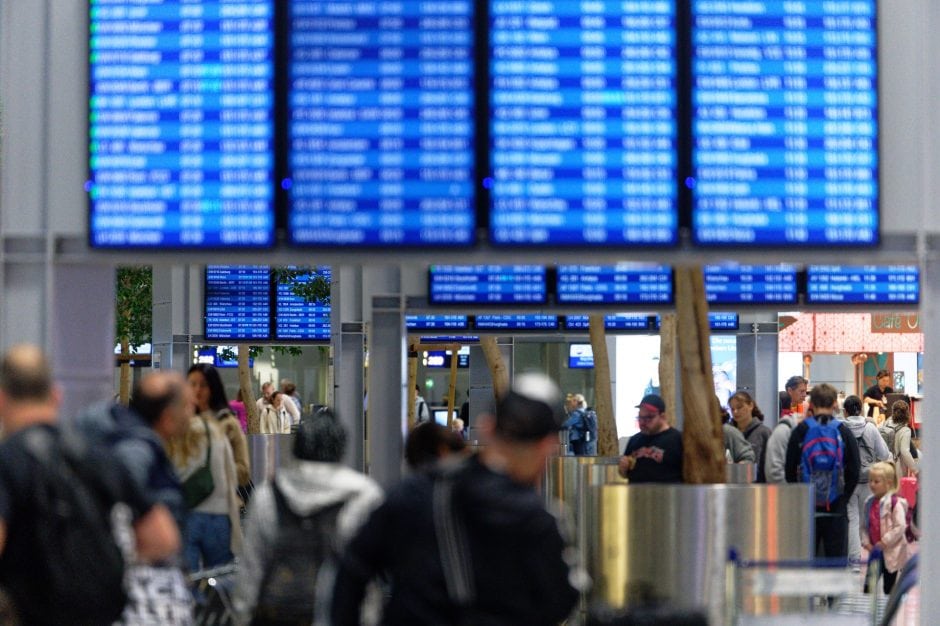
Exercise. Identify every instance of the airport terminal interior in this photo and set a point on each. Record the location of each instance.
(552, 185)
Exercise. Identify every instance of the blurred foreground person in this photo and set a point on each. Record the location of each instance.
(471, 543)
(295, 525)
(429, 443)
(60, 500)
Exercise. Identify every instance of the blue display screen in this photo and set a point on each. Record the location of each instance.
(620, 321)
(238, 302)
(583, 122)
(298, 319)
(581, 284)
(507, 284)
(381, 129)
(431, 322)
(785, 122)
(515, 322)
(750, 284)
(723, 321)
(580, 356)
(451, 339)
(863, 284)
(181, 124)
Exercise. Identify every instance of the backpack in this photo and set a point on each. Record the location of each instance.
(822, 461)
(887, 433)
(866, 456)
(589, 424)
(77, 556)
(911, 532)
(288, 591)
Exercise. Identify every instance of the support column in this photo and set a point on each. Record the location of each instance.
(387, 393)
(757, 366)
(174, 307)
(348, 351)
(929, 479)
(482, 397)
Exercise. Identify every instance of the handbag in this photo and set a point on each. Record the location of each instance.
(908, 490)
(200, 484)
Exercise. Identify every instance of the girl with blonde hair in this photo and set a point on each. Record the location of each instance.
(885, 524)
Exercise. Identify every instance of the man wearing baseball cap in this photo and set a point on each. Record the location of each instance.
(653, 455)
(471, 542)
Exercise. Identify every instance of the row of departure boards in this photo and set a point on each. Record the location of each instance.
(247, 302)
(552, 122)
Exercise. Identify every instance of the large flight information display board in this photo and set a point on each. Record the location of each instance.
(181, 124)
(381, 110)
(238, 302)
(622, 283)
(863, 284)
(298, 319)
(785, 122)
(487, 284)
(583, 122)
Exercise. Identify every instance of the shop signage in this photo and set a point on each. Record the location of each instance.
(895, 323)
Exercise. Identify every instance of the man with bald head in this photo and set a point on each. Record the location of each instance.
(38, 458)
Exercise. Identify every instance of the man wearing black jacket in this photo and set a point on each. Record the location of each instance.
(832, 524)
(471, 543)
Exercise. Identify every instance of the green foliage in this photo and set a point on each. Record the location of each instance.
(134, 314)
(309, 283)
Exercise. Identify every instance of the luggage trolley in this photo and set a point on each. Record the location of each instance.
(214, 587)
(816, 590)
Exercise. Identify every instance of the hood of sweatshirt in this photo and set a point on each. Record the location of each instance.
(310, 486)
(856, 424)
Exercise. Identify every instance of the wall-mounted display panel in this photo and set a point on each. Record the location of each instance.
(238, 302)
(515, 322)
(583, 132)
(785, 123)
(381, 123)
(296, 318)
(733, 283)
(580, 356)
(487, 284)
(181, 127)
(432, 322)
(863, 284)
(622, 283)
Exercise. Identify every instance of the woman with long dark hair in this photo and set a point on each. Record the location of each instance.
(211, 402)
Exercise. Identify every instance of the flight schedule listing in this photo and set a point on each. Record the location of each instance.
(750, 284)
(510, 284)
(381, 111)
(863, 284)
(238, 302)
(296, 317)
(785, 122)
(583, 122)
(181, 129)
(626, 282)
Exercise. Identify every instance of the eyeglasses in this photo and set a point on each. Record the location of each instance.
(646, 418)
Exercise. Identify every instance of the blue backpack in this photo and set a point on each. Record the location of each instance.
(822, 462)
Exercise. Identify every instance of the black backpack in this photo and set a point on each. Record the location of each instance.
(77, 555)
(304, 543)
(589, 422)
(866, 457)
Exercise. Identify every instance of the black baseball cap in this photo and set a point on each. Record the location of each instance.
(531, 410)
(652, 401)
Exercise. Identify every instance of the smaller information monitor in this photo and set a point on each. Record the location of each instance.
(381, 109)
(298, 319)
(863, 284)
(238, 302)
(723, 321)
(750, 284)
(580, 356)
(624, 283)
(515, 322)
(434, 322)
(493, 284)
(621, 321)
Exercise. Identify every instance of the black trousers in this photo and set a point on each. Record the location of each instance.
(832, 535)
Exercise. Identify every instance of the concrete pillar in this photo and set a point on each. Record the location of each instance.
(348, 349)
(387, 393)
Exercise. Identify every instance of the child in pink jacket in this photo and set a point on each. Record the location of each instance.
(885, 523)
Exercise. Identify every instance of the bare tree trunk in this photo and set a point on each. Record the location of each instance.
(603, 402)
(124, 389)
(494, 360)
(703, 460)
(667, 365)
(452, 388)
(412, 383)
(248, 393)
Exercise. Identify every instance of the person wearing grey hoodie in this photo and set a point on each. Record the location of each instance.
(317, 482)
(871, 449)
